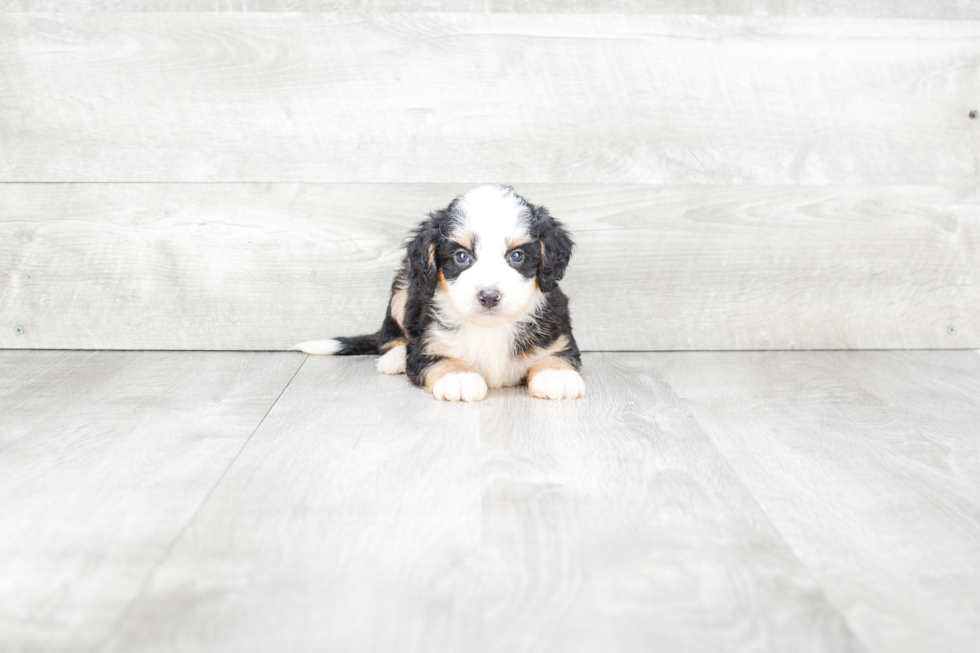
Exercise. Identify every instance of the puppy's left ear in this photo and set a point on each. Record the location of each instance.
(556, 247)
(422, 255)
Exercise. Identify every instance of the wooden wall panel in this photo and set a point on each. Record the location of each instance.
(465, 98)
(263, 266)
(751, 175)
(929, 9)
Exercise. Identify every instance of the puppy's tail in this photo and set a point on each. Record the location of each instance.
(352, 346)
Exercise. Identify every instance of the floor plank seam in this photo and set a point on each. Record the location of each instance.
(782, 538)
(180, 535)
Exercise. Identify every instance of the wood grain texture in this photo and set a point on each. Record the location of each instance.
(365, 516)
(612, 523)
(929, 9)
(349, 524)
(692, 501)
(866, 464)
(462, 97)
(942, 407)
(264, 266)
(104, 458)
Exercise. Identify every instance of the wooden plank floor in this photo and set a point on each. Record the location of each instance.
(777, 501)
(105, 457)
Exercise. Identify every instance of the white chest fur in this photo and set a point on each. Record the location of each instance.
(488, 350)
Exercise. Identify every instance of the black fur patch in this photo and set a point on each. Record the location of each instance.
(553, 322)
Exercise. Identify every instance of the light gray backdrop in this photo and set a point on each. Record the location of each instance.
(747, 175)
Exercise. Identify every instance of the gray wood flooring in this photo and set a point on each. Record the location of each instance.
(777, 501)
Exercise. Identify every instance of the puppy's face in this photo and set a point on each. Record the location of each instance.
(488, 261)
(489, 257)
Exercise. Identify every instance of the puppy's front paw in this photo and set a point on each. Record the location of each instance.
(557, 384)
(393, 362)
(460, 386)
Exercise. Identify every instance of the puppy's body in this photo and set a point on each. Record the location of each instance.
(476, 303)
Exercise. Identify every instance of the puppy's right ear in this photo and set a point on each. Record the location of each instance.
(422, 255)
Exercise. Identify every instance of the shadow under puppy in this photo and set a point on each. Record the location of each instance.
(477, 303)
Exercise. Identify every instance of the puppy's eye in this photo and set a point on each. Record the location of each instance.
(462, 256)
(516, 256)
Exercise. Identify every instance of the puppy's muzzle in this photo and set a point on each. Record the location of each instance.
(489, 297)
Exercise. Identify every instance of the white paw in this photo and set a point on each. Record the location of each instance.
(393, 362)
(557, 384)
(460, 386)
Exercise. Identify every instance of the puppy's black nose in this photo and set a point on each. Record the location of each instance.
(489, 297)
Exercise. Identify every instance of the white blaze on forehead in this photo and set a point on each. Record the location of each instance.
(495, 218)
(493, 214)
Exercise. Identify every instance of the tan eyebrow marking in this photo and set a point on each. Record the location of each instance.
(517, 241)
(464, 238)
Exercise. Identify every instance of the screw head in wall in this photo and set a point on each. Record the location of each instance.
(19, 330)
(951, 329)
(973, 114)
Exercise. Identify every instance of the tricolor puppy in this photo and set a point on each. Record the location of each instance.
(477, 304)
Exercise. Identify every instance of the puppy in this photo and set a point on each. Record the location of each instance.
(477, 304)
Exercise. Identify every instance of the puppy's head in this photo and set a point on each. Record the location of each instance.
(491, 254)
